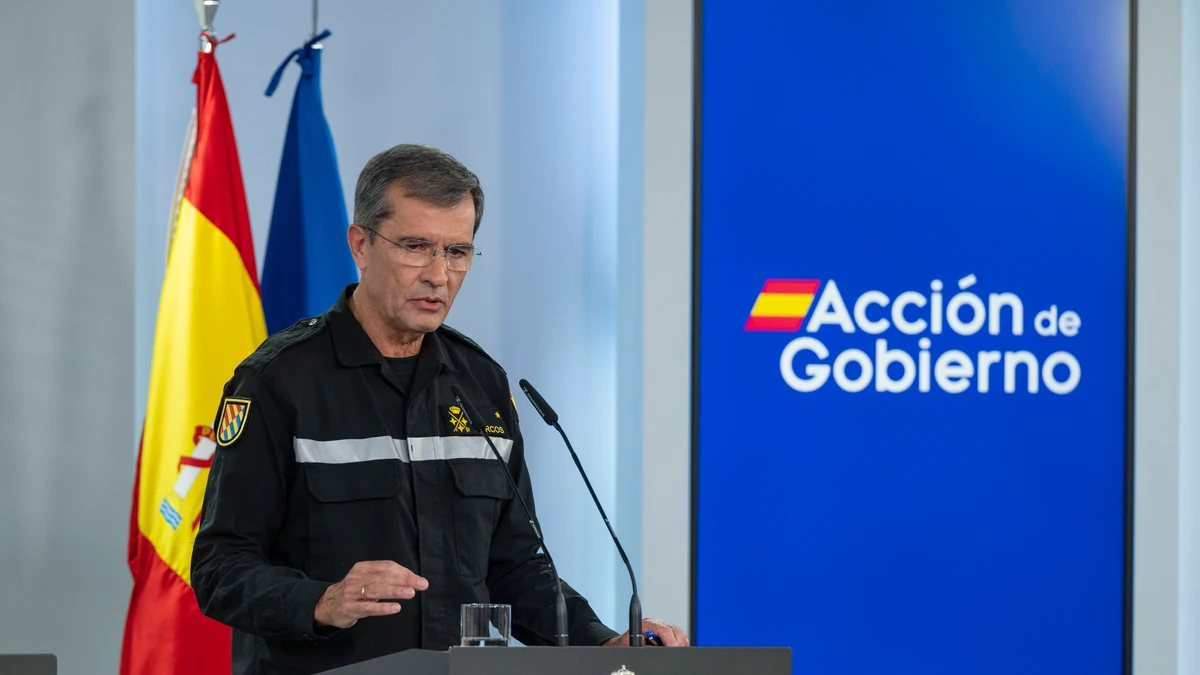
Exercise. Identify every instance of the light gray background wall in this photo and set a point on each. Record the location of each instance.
(667, 309)
(1166, 619)
(66, 347)
(1156, 566)
(1189, 343)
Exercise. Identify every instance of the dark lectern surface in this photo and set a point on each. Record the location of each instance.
(606, 660)
(28, 664)
(412, 662)
(579, 661)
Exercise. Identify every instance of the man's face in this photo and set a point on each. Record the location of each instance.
(413, 300)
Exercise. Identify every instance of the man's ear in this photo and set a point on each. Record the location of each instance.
(356, 237)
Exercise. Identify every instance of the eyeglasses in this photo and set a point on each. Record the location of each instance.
(420, 252)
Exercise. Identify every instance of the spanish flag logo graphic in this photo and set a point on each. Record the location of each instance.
(782, 304)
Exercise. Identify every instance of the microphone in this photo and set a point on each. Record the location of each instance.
(560, 603)
(551, 418)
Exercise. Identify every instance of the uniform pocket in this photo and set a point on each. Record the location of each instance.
(352, 515)
(482, 489)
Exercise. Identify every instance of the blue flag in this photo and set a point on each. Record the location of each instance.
(308, 262)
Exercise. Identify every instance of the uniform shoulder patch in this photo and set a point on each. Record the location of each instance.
(234, 413)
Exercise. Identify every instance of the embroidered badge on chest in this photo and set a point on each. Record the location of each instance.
(459, 423)
(496, 428)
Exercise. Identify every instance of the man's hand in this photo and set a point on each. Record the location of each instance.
(359, 594)
(671, 636)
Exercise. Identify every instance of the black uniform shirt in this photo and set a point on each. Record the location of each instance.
(336, 458)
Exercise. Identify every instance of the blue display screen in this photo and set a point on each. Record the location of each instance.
(912, 334)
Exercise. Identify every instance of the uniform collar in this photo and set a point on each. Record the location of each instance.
(354, 347)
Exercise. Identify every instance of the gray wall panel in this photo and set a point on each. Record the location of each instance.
(66, 349)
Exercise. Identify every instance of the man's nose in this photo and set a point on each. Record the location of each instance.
(435, 272)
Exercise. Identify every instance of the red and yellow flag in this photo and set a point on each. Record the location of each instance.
(210, 317)
(782, 304)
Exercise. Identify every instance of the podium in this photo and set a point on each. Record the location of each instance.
(578, 661)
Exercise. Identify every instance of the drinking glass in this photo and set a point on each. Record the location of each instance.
(486, 625)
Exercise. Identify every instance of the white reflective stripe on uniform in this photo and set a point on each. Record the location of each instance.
(349, 450)
(429, 448)
(422, 449)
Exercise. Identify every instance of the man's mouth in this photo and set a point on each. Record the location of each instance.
(430, 303)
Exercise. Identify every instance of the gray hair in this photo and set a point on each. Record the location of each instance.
(425, 173)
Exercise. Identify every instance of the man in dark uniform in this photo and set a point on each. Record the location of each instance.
(353, 506)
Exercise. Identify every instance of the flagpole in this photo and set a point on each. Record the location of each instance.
(206, 11)
(181, 180)
(315, 7)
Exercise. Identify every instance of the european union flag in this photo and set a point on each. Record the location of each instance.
(308, 262)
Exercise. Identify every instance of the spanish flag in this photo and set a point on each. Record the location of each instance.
(782, 304)
(210, 317)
